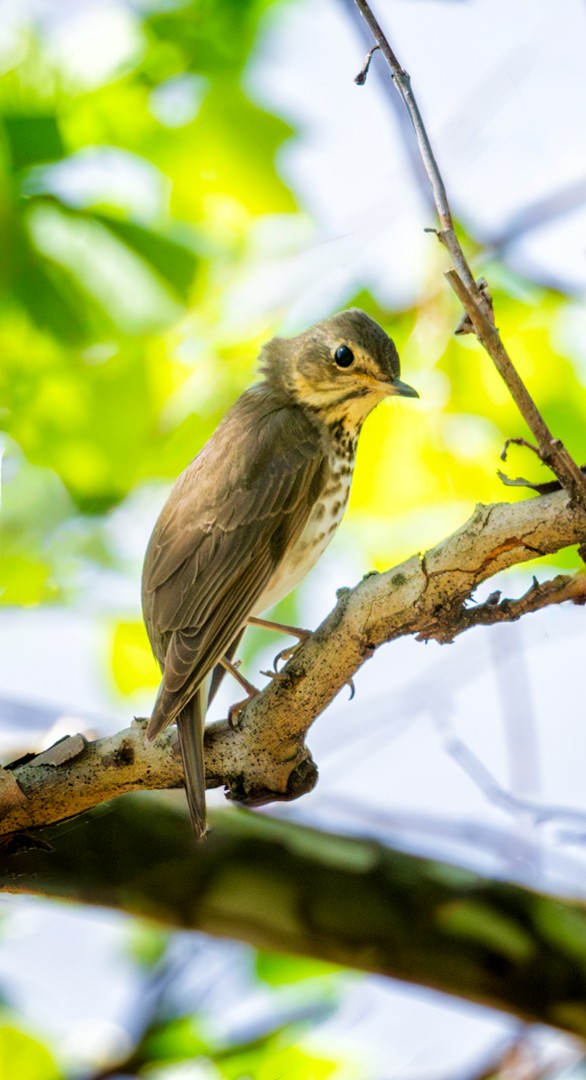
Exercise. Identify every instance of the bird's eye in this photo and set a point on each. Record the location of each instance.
(344, 356)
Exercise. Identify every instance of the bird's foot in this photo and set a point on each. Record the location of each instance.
(279, 675)
(282, 628)
(251, 691)
(235, 710)
(285, 654)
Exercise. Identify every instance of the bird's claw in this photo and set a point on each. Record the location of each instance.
(235, 711)
(285, 654)
(279, 675)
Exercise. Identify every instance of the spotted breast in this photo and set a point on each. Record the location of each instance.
(323, 520)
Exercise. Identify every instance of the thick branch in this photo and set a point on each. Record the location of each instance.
(350, 901)
(475, 300)
(266, 758)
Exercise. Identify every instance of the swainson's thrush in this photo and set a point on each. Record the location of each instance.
(254, 511)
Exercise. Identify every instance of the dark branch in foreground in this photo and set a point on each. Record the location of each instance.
(475, 300)
(276, 886)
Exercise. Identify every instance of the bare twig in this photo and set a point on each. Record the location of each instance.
(402, 81)
(494, 610)
(360, 79)
(551, 450)
(475, 301)
(517, 442)
(542, 488)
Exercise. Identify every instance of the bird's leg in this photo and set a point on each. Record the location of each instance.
(251, 691)
(282, 628)
(285, 654)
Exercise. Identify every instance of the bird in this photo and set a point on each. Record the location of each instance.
(254, 511)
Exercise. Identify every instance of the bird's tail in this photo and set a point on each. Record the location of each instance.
(190, 725)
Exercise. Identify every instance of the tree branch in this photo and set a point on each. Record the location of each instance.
(265, 758)
(475, 300)
(414, 919)
(494, 610)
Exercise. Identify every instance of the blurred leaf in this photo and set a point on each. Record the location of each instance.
(561, 926)
(269, 1059)
(93, 420)
(179, 1039)
(34, 504)
(133, 664)
(174, 261)
(106, 269)
(23, 1057)
(54, 301)
(24, 581)
(146, 944)
(225, 165)
(214, 39)
(277, 969)
(32, 139)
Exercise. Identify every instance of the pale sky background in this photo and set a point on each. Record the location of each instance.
(502, 86)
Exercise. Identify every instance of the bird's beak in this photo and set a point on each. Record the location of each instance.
(402, 389)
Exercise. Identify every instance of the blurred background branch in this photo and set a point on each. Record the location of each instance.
(334, 898)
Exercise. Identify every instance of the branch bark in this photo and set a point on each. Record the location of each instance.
(475, 300)
(265, 758)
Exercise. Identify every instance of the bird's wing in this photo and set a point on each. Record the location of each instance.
(219, 539)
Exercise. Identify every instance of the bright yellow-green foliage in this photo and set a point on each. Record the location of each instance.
(118, 355)
(24, 1056)
(133, 664)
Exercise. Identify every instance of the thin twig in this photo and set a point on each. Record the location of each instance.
(360, 79)
(558, 590)
(474, 300)
(402, 81)
(517, 442)
(551, 450)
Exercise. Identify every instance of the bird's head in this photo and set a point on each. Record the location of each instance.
(341, 367)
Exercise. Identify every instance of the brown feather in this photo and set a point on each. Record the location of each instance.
(223, 530)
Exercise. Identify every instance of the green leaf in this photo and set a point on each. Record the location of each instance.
(53, 301)
(231, 154)
(213, 38)
(177, 1040)
(268, 1060)
(133, 663)
(281, 970)
(32, 139)
(175, 262)
(24, 581)
(147, 945)
(23, 1057)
